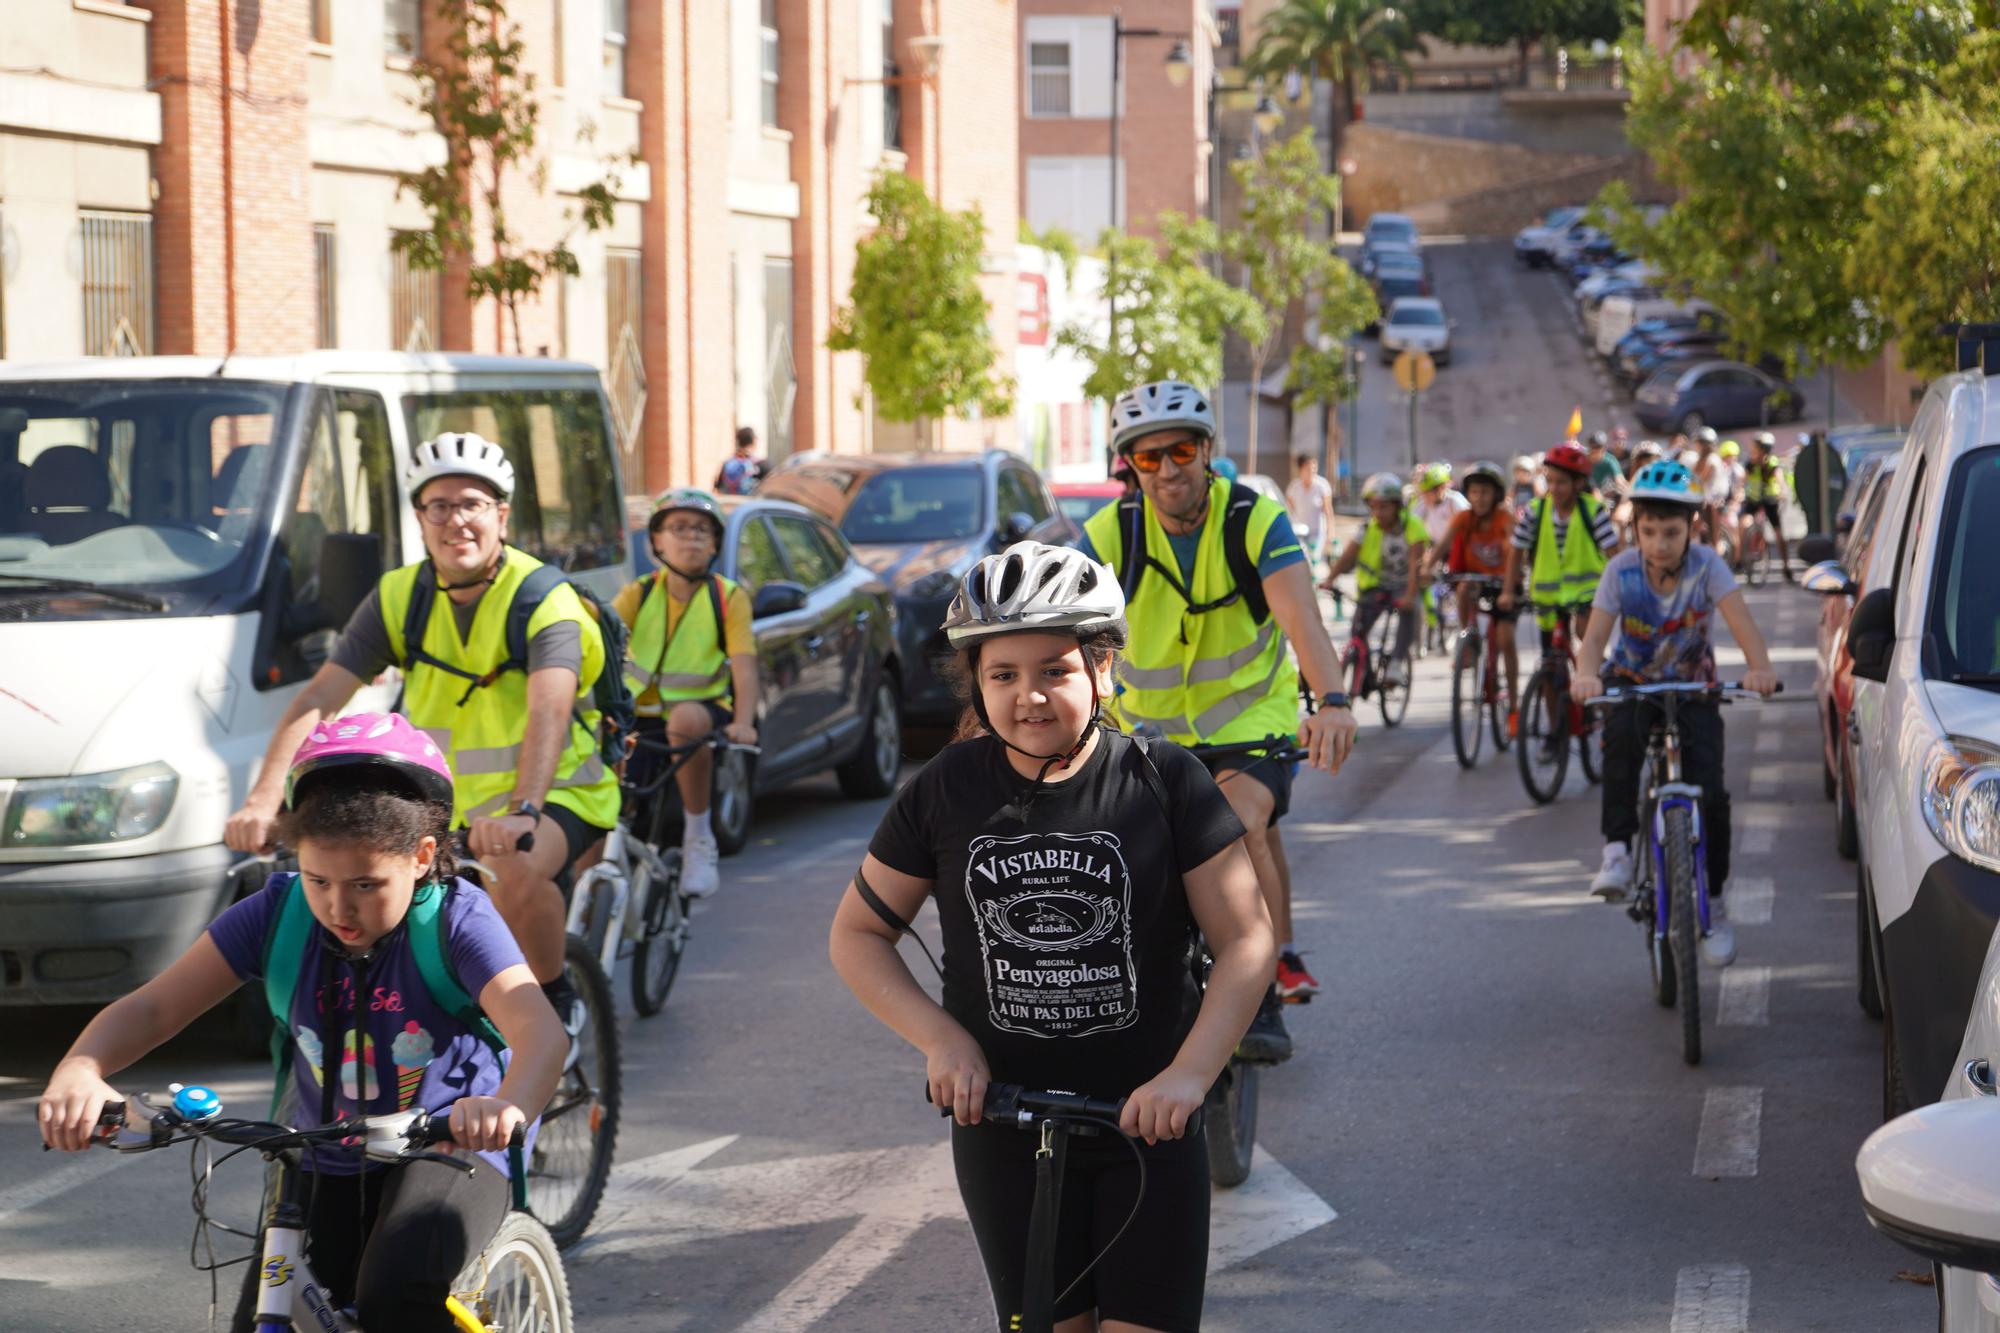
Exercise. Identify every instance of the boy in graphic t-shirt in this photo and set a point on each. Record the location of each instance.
(1661, 598)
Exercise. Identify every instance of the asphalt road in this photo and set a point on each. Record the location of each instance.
(1487, 1126)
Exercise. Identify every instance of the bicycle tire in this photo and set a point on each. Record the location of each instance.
(597, 923)
(1229, 1118)
(664, 930)
(1538, 725)
(517, 1282)
(1392, 698)
(580, 1125)
(1682, 927)
(1467, 701)
(1645, 905)
(1590, 749)
(1753, 573)
(1498, 706)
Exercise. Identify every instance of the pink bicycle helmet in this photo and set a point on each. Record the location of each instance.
(384, 740)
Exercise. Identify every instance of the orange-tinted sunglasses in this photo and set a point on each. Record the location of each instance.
(1149, 460)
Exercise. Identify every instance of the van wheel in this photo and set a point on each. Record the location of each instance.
(1870, 993)
(873, 769)
(1895, 1089)
(732, 800)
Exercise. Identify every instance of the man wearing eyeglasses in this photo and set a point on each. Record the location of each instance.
(520, 736)
(1216, 586)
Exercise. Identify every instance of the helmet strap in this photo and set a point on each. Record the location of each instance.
(492, 573)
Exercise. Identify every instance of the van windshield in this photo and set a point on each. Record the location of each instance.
(1965, 611)
(128, 492)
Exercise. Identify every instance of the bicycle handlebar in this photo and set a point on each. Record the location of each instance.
(681, 754)
(1012, 1104)
(1284, 749)
(396, 1135)
(1733, 688)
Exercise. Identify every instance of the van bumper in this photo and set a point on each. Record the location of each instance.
(82, 932)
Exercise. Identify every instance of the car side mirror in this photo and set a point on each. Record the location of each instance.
(1826, 576)
(1017, 527)
(1871, 634)
(1816, 548)
(777, 599)
(350, 565)
(1930, 1181)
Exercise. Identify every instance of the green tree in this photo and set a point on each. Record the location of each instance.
(1287, 269)
(481, 99)
(1335, 40)
(1172, 311)
(915, 311)
(1522, 23)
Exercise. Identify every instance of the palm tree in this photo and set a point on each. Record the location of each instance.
(1335, 40)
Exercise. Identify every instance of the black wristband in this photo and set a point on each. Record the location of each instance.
(1334, 699)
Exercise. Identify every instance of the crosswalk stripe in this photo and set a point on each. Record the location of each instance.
(1731, 1126)
(1712, 1298)
(1746, 998)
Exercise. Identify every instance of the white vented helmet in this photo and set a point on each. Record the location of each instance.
(1034, 586)
(1383, 486)
(1161, 405)
(460, 454)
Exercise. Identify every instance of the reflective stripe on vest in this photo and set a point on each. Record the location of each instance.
(1567, 575)
(1217, 676)
(692, 663)
(481, 737)
(1368, 561)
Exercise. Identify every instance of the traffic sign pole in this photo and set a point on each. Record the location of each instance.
(1414, 371)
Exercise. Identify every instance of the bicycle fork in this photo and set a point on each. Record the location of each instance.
(1684, 796)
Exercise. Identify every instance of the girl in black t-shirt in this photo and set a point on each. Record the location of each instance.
(1071, 869)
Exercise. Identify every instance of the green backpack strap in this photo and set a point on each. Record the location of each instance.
(426, 929)
(284, 959)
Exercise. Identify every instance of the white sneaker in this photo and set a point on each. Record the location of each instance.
(1614, 877)
(1718, 946)
(700, 876)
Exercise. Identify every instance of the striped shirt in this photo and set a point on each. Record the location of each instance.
(1600, 526)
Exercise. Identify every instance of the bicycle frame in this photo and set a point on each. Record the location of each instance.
(1662, 791)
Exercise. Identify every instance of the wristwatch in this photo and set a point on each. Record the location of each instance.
(1334, 699)
(528, 808)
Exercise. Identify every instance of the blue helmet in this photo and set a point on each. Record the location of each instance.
(1667, 481)
(1225, 468)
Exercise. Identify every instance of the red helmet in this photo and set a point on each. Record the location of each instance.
(385, 742)
(1569, 457)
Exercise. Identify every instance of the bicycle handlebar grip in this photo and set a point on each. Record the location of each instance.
(437, 1129)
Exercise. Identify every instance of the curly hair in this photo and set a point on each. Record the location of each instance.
(960, 670)
(358, 806)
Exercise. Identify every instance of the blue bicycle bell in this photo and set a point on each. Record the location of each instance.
(193, 1102)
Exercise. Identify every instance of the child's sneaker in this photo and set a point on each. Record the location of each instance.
(1718, 946)
(1614, 877)
(1294, 982)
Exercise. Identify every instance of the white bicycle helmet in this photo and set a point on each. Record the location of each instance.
(460, 454)
(1383, 486)
(1161, 405)
(1034, 586)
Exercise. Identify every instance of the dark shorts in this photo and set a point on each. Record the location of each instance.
(1489, 599)
(1276, 776)
(577, 833)
(1156, 1274)
(1768, 508)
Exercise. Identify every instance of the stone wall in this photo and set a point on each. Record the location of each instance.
(1503, 209)
(1398, 170)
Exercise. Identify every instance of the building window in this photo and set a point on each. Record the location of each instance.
(324, 284)
(624, 361)
(768, 49)
(403, 27)
(320, 16)
(615, 29)
(416, 304)
(892, 95)
(117, 284)
(1073, 193)
(781, 377)
(1048, 79)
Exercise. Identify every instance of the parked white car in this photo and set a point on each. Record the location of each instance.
(1924, 734)
(1617, 314)
(1417, 323)
(1632, 270)
(1532, 244)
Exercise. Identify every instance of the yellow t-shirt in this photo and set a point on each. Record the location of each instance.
(736, 636)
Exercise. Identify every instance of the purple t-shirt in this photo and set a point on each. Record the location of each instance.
(412, 1053)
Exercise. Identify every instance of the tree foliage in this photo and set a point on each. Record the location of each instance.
(1172, 311)
(481, 99)
(915, 311)
(1335, 40)
(1520, 23)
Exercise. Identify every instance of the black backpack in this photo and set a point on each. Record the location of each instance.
(1133, 559)
(611, 696)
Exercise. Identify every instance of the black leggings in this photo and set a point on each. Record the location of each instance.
(1154, 1276)
(420, 1222)
(1626, 727)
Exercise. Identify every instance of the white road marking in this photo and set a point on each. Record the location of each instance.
(1757, 840)
(1731, 1124)
(1765, 778)
(1712, 1298)
(1749, 899)
(1746, 998)
(25, 1197)
(1769, 740)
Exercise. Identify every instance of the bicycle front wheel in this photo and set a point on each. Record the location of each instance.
(1229, 1117)
(1590, 747)
(1392, 671)
(516, 1284)
(1682, 928)
(1543, 752)
(656, 960)
(1500, 705)
(571, 1160)
(1467, 701)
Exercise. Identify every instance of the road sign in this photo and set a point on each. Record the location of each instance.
(1414, 370)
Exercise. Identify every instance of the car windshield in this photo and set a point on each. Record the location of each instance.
(916, 504)
(1427, 316)
(111, 486)
(1395, 287)
(1965, 610)
(1396, 232)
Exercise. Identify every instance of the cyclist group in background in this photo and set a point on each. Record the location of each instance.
(1091, 848)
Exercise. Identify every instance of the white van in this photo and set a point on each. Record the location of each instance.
(1617, 314)
(180, 538)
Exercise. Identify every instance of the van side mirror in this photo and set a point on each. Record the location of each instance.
(1930, 1181)
(1871, 634)
(777, 599)
(1816, 548)
(350, 565)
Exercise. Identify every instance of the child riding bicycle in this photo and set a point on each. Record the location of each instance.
(1387, 560)
(1764, 497)
(354, 940)
(1071, 865)
(691, 664)
(1476, 543)
(1661, 597)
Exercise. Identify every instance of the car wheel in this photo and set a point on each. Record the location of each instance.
(872, 771)
(1692, 422)
(732, 801)
(1847, 825)
(1870, 992)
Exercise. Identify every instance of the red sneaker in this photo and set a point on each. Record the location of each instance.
(1294, 982)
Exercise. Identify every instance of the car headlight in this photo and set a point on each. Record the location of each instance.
(89, 808)
(937, 583)
(1961, 799)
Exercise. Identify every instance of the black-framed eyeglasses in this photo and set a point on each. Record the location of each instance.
(473, 508)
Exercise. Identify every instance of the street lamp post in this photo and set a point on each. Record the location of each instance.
(1180, 64)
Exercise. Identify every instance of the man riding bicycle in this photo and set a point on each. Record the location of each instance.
(1215, 585)
(520, 735)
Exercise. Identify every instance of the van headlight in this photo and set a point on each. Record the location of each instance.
(89, 808)
(1961, 799)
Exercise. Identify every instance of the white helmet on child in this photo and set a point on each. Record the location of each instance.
(1034, 586)
(460, 454)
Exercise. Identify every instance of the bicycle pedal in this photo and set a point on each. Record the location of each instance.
(1296, 999)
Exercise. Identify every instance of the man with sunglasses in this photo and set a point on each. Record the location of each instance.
(521, 737)
(1216, 587)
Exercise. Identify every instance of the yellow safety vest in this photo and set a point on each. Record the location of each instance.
(1368, 562)
(1567, 576)
(480, 729)
(1216, 675)
(692, 663)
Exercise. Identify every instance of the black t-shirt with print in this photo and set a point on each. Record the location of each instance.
(1067, 939)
